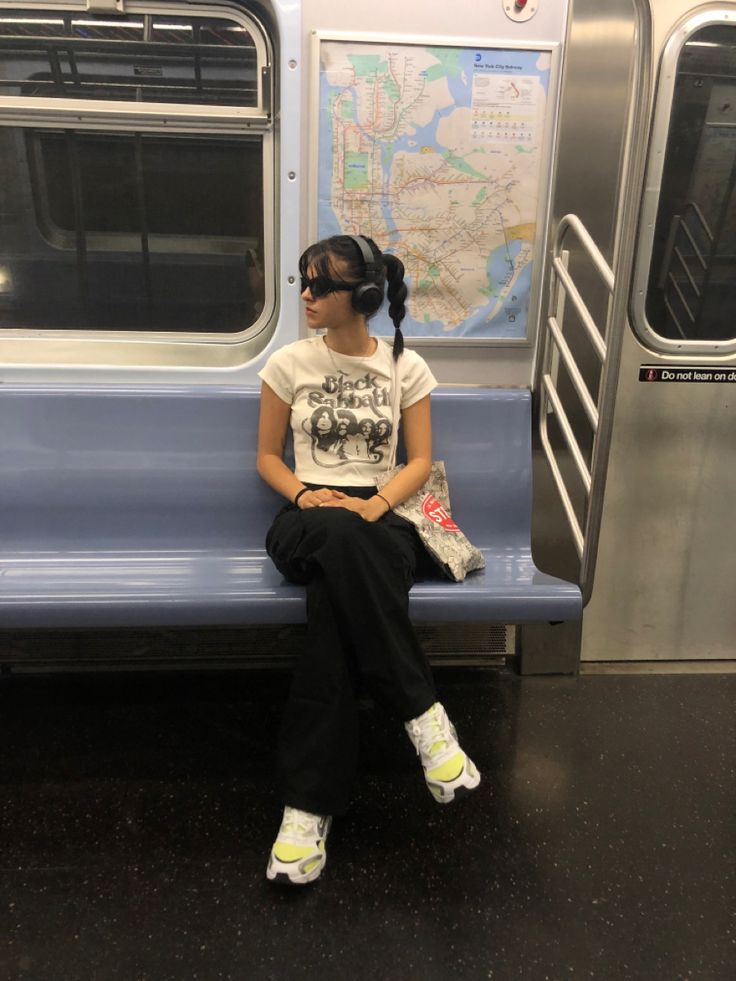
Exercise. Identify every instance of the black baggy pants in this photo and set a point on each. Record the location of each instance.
(357, 575)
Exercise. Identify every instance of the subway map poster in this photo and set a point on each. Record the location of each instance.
(436, 153)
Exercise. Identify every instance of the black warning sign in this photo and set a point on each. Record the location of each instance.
(694, 374)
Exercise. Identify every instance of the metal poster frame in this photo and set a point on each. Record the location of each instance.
(546, 162)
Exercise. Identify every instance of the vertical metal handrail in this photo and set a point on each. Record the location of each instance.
(562, 288)
(627, 210)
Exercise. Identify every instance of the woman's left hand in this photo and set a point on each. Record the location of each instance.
(370, 510)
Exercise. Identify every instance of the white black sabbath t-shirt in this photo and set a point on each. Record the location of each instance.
(341, 407)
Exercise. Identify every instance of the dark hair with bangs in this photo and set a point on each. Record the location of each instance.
(389, 270)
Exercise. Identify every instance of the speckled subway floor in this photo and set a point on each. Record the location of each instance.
(138, 810)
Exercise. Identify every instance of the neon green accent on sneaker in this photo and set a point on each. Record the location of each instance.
(450, 770)
(291, 853)
(298, 854)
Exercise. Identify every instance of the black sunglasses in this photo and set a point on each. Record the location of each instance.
(320, 286)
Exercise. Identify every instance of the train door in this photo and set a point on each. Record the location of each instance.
(656, 551)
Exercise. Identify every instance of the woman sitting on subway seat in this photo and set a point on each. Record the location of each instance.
(340, 538)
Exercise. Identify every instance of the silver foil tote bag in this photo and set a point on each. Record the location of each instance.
(430, 513)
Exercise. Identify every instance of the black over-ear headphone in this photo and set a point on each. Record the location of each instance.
(367, 297)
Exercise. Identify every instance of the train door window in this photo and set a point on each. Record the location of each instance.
(137, 190)
(686, 277)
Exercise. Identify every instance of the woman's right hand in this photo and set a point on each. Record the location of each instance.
(314, 498)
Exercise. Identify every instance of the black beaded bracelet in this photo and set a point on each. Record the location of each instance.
(302, 491)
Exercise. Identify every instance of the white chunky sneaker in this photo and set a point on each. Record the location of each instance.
(448, 771)
(298, 854)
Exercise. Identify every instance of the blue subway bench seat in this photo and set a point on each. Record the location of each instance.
(141, 507)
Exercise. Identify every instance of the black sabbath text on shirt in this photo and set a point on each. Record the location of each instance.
(343, 393)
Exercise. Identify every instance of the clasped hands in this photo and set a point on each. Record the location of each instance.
(370, 510)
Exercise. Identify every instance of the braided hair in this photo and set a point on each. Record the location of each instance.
(389, 274)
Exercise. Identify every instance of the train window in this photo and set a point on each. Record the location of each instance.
(186, 187)
(137, 176)
(61, 54)
(689, 289)
(133, 232)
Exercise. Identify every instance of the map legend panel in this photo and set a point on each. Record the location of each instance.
(505, 107)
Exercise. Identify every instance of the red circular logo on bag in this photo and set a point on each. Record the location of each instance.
(432, 509)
